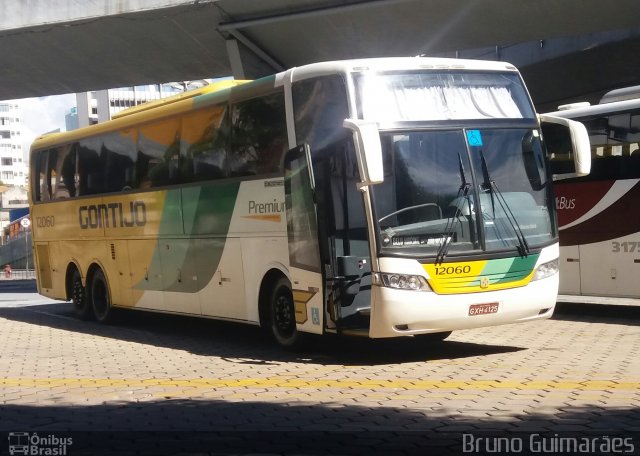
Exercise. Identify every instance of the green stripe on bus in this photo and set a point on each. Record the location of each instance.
(509, 269)
(206, 215)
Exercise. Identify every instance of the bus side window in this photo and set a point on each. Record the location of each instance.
(615, 146)
(258, 136)
(43, 185)
(204, 143)
(65, 168)
(91, 170)
(51, 174)
(159, 154)
(119, 152)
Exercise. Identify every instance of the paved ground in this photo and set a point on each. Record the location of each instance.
(156, 384)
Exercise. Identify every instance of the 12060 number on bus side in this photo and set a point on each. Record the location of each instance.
(46, 222)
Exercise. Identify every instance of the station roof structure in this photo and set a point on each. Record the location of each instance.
(63, 46)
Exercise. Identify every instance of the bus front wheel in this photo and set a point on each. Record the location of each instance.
(282, 316)
(81, 305)
(100, 301)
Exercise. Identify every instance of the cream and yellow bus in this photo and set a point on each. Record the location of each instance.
(379, 197)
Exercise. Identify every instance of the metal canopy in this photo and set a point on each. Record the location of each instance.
(254, 38)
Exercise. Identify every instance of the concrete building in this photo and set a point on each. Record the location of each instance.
(13, 169)
(71, 119)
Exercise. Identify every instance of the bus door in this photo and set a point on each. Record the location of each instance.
(302, 231)
(349, 290)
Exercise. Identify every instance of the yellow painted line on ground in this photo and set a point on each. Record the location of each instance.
(279, 382)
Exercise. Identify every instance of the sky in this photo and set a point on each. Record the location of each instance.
(43, 115)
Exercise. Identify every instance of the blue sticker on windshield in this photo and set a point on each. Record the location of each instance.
(474, 137)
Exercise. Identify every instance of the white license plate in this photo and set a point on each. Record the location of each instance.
(483, 309)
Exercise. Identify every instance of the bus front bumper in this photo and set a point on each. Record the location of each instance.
(405, 313)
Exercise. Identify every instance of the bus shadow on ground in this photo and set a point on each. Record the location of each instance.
(205, 427)
(246, 343)
(594, 313)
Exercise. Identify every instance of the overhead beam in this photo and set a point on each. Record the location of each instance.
(235, 61)
(257, 50)
(306, 14)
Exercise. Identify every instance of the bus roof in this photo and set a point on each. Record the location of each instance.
(594, 110)
(397, 63)
(618, 100)
(216, 86)
(208, 94)
(627, 93)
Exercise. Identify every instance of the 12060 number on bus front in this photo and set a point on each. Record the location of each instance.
(448, 270)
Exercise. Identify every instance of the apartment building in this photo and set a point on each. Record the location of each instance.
(13, 169)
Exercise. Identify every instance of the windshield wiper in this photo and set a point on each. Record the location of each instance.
(491, 186)
(463, 192)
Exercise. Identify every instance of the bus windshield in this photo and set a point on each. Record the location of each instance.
(438, 96)
(466, 190)
(464, 165)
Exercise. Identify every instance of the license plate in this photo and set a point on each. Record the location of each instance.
(483, 309)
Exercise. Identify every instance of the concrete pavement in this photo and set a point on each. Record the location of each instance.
(158, 384)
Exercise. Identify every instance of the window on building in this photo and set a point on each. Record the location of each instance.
(4, 161)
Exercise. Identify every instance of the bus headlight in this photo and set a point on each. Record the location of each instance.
(402, 281)
(546, 270)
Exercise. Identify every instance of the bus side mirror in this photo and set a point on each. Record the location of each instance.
(568, 147)
(368, 150)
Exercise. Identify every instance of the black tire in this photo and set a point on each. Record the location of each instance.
(100, 299)
(282, 316)
(81, 305)
(433, 337)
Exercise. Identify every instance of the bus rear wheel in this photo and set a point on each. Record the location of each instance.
(81, 306)
(100, 300)
(282, 316)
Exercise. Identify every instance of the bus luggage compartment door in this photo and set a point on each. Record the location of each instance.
(44, 266)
